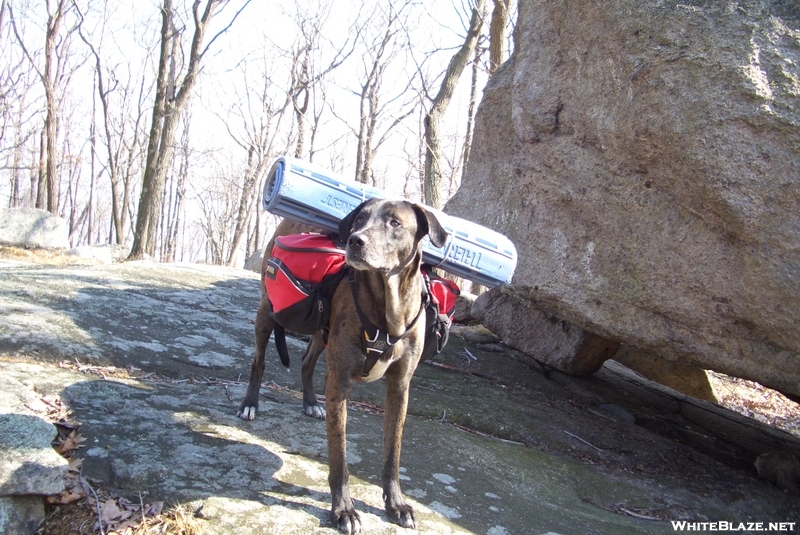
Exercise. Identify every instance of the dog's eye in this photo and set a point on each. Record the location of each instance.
(395, 223)
(359, 220)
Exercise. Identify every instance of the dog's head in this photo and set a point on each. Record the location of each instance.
(383, 235)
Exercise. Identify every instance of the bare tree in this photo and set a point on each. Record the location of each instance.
(56, 53)
(433, 146)
(379, 54)
(103, 92)
(131, 152)
(308, 69)
(473, 104)
(497, 33)
(219, 203)
(175, 195)
(170, 99)
(17, 118)
(259, 142)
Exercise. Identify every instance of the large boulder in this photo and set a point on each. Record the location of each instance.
(645, 157)
(548, 339)
(33, 228)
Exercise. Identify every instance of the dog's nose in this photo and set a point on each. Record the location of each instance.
(355, 240)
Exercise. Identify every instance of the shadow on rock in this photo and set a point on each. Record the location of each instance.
(182, 443)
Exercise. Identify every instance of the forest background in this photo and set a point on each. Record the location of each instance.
(154, 124)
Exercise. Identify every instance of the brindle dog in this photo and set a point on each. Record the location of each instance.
(383, 250)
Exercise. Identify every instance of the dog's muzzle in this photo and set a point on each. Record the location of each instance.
(356, 242)
(357, 254)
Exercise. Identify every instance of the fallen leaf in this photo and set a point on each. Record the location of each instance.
(75, 465)
(71, 443)
(111, 514)
(155, 509)
(68, 496)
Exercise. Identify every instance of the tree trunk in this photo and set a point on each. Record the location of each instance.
(170, 100)
(41, 183)
(244, 211)
(497, 33)
(93, 143)
(51, 116)
(300, 111)
(473, 103)
(15, 199)
(116, 211)
(433, 150)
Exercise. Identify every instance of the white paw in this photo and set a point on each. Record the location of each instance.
(248, 413)
(315, 411)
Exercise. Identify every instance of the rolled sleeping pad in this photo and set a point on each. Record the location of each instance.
(309, 194)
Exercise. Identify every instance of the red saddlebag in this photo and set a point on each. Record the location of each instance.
(301, 276)
(439, 312)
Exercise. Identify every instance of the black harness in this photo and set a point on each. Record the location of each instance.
(374, 343)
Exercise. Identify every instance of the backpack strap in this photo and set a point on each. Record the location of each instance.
(374, 342)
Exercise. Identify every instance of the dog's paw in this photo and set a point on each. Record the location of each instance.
(402, 514)
(315, 411)
(347, 521)
(247, 412)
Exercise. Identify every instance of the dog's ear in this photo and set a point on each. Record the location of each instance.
(346, 224)
(427, 223)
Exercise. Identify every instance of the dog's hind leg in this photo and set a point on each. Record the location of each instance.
(311, 406)
(264, 326)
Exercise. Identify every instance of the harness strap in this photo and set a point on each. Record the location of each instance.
(375, 342)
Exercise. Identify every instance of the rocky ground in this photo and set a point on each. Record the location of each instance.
(151, 362)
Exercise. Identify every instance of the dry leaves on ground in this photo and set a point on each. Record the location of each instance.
(79, 508)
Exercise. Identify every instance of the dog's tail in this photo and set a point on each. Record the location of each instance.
(280, 344)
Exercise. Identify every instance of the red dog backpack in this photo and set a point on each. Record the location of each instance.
(303, 272)
(439, 312)
(301, 276)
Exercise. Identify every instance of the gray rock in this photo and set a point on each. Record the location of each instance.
(684, 378)
(21, 515)
(618, 413)
(781, 468)
(29, 466)
(30, 227)
(474, 334)
(463, 312)
(105, 254)
(546, 338)
(29, 463)
(643, 157)
(166, 424)
(254, 262)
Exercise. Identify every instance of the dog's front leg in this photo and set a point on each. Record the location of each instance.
(343, 513)
(394, 419)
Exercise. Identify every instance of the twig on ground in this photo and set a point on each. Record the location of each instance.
(584, 441)
(487, 435)
(468, 372)
(271, 398)
(637, 515)
(86, 485)
(365, 407)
